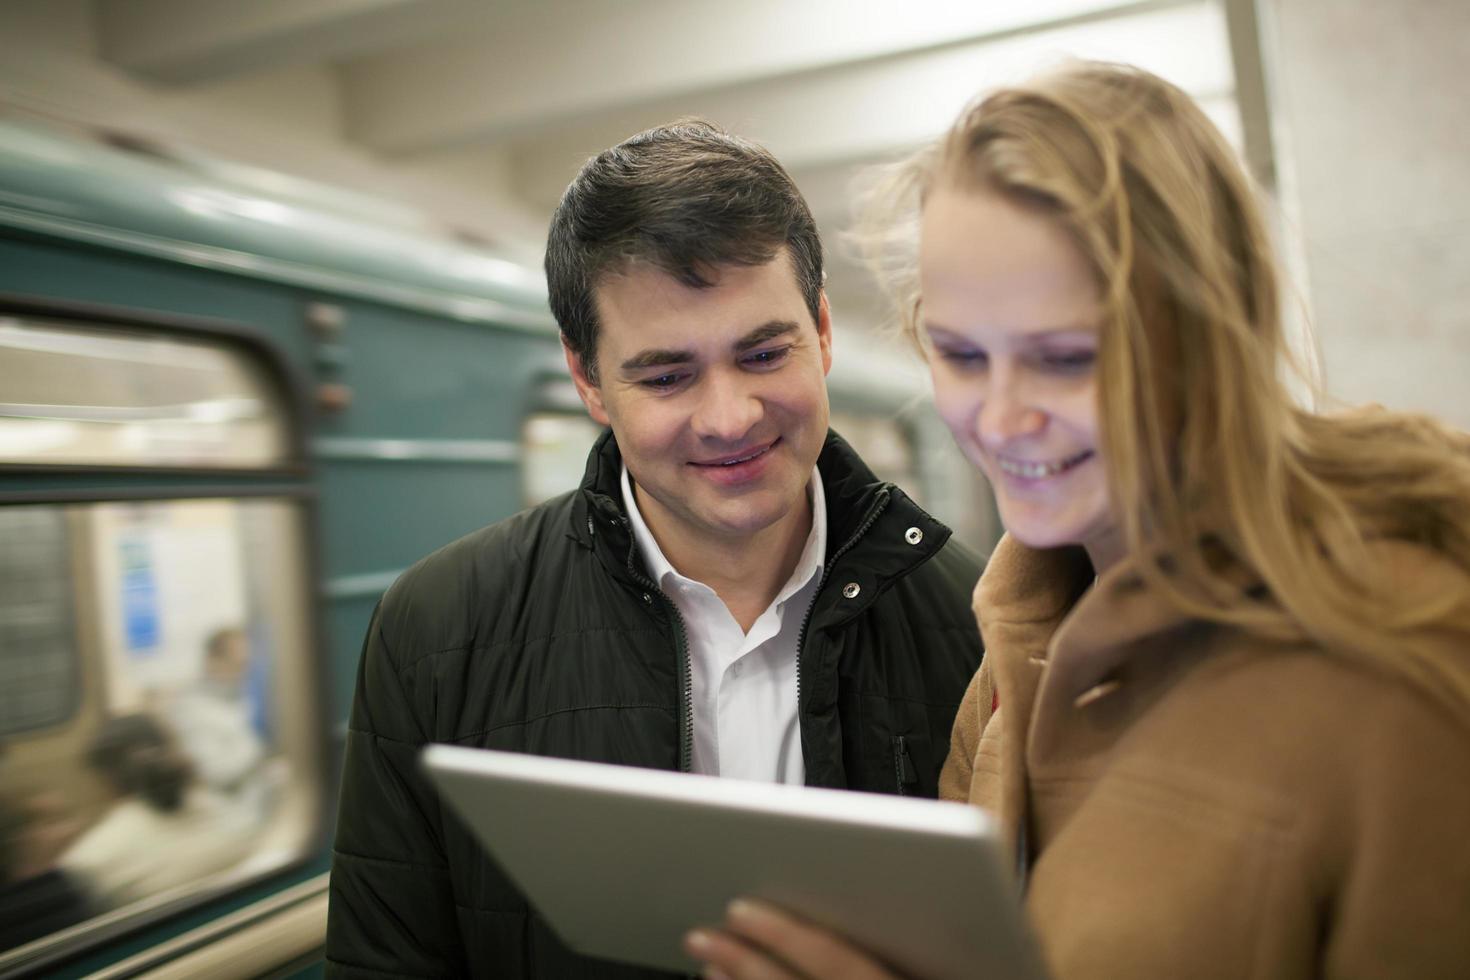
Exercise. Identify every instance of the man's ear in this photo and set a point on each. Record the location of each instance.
(824, 332)
(590, 393)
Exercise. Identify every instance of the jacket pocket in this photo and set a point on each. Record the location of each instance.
(889, 745)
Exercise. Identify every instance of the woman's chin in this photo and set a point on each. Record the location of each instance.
(1042, 542)
(1039, 533)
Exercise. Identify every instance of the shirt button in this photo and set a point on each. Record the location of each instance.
(913, 535)
(851, 590)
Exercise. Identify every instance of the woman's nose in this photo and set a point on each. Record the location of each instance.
(1007, 413)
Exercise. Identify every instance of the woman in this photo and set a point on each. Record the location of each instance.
(1225, 710)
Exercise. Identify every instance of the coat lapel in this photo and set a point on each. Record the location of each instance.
(1022, 598)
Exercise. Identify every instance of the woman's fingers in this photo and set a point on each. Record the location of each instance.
(728, 957)
(762, 943)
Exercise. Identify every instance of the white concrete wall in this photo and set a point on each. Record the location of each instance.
(1374, 98)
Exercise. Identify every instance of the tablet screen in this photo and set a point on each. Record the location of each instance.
(622, 862)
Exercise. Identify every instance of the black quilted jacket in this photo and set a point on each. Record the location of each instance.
(543, 634)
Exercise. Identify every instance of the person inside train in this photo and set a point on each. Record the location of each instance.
(1224, 716)
(214, 717)
(161, 828)
(725, 553)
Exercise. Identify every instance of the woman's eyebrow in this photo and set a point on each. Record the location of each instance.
(1044, 334)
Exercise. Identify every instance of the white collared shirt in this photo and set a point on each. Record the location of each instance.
(743, 684)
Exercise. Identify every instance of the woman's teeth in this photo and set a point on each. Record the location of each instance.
(1036, 471)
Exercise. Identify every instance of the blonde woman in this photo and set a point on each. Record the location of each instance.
(1225, 711)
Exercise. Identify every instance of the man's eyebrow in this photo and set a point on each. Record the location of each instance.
(765, 332)
(664, 357)
(656, 358)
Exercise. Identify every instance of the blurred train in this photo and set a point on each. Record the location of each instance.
(234, 406)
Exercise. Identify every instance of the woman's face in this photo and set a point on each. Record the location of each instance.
(1012, 313)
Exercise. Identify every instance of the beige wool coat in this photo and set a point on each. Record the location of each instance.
(1194, 803)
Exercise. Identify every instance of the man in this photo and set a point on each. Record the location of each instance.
(730, 591)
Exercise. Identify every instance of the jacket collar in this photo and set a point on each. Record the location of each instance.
(855, 497)
(596, 502)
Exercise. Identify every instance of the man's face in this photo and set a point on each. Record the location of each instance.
(717, 396)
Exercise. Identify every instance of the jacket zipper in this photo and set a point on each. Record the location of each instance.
(686, 684)
(904, 775)
(878, 507)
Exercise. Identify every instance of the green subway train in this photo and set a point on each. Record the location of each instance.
(234, 406)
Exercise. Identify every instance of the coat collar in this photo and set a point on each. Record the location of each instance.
(1052, 612)
(854, 496)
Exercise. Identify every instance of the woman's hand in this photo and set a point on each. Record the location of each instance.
(760, 943)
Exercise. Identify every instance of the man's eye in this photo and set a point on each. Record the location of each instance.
(765, 358)
(662, 382)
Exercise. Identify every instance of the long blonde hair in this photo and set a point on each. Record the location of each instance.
(1207, 454)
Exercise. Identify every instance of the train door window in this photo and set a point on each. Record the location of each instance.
(885, 445)
(39, 673)
(555, 439)
(81, 394)
(160, 729)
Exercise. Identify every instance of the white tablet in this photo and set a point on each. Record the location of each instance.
(622, 862)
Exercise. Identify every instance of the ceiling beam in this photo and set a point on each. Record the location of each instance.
(878, 109)
(194, 41)
(524, 68)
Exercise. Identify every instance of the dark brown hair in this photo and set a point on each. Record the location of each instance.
(138, 756)
(687, 198)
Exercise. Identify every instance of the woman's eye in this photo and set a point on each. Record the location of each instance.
(964, 357)
(1070, 360)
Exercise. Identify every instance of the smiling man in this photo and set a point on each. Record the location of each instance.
(730, 591)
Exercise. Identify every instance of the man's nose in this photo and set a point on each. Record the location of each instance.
(729, 407)
(1008, 412)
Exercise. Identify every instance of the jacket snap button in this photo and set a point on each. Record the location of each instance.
(913, 535)
(851, 590)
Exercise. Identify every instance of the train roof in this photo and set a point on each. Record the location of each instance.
(171, 203)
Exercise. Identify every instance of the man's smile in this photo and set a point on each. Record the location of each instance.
(736, 458)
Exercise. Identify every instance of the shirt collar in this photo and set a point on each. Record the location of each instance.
(808, 565)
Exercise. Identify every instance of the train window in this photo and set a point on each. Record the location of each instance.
(554, 453)
(38, 661)
(884, 445)
(185, 758)
(88, 396)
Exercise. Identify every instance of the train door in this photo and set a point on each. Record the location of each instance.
(162, 732)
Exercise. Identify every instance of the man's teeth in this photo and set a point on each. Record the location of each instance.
(1036, 471)
(742, 459)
